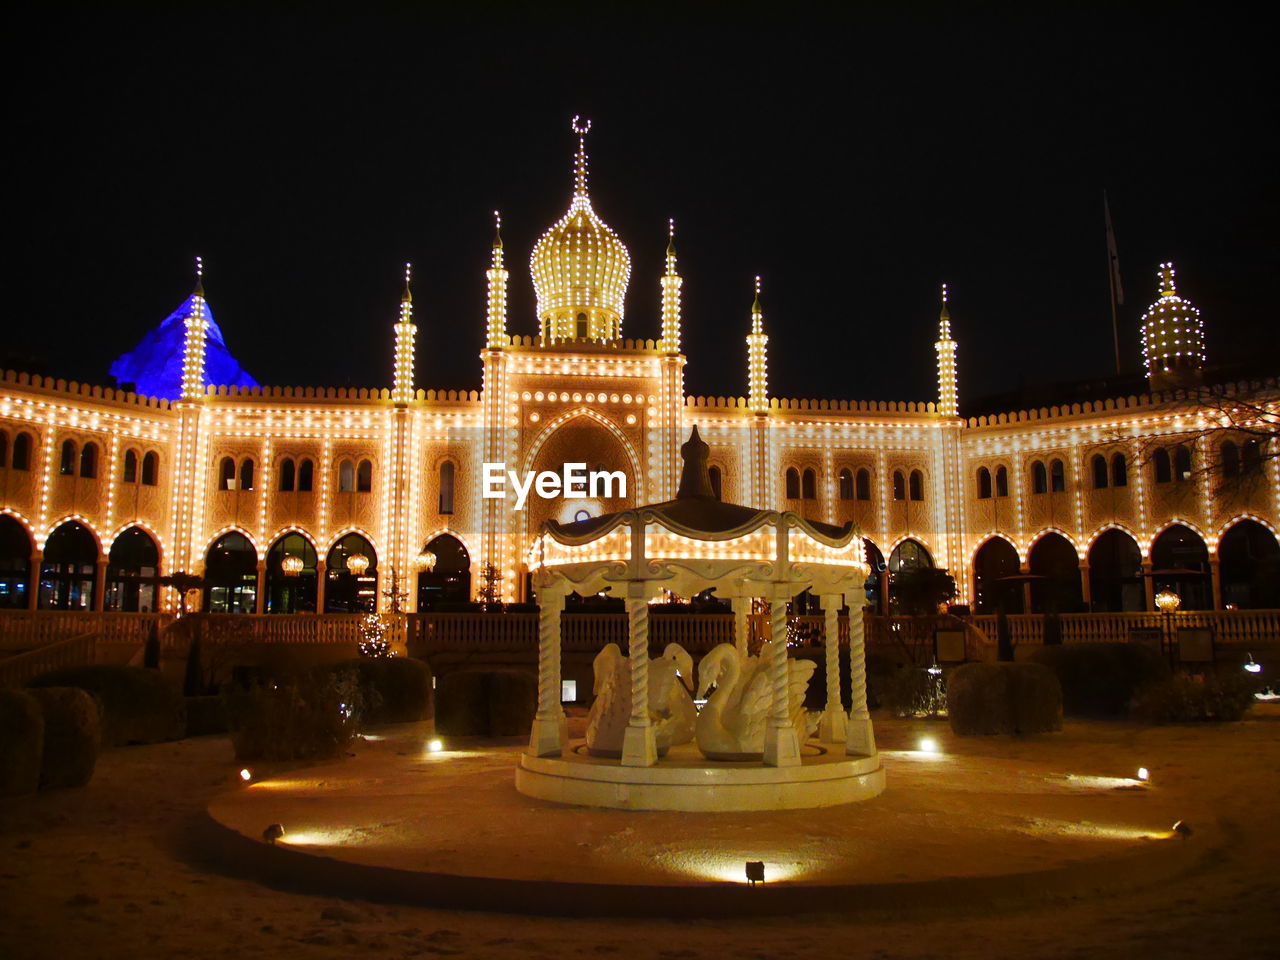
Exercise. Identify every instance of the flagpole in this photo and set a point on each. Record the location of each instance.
(1113, 272)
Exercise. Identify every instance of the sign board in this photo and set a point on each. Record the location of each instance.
(1195, 645)
(949, 645)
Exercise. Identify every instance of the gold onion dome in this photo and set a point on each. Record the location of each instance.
(580, 268)
(1172, 331)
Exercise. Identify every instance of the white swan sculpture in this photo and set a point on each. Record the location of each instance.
(732, 723)
(671, 709)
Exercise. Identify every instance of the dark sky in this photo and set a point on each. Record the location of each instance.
(854, 160)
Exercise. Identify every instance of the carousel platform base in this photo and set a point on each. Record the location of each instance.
(684, 780)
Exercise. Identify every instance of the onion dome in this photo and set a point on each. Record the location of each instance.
(1172, 335)
(580, 268)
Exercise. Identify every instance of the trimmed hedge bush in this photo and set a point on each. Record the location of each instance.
(205, 715)
(72, 736)
(313, 716)
(495, 703)
(1100, 679)
(396, 689)
(21, 742)
(995, 698)
(1183, 699)
(137, 705)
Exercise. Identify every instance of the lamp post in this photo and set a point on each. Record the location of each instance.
(1168, 602)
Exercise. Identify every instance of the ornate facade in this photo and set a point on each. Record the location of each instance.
(103, 490)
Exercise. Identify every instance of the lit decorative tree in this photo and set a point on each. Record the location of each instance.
(373, 637)
(490, 595)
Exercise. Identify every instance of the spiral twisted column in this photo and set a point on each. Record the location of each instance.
(861, 740)
(638, 748)
(741, 624)
(833, 727)
(547, 737)
(781, 741)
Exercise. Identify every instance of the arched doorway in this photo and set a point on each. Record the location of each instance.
(290, 590)
(448, 583)
(995, 560)
(1054, 558)
(1115, 574)
(913, 588)
(876, 587)
(133, 573)
(351, 576)
(15, 563)
(231, 575)
(70, 561)
(1181, 553)
(1249, 564)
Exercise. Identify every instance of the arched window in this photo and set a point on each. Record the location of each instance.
(809, 485)
(246, 474)
(1057, 476)
(1002, 482)
(130, 472)
(231, 574)
(862, 485)
(1039, 477)
(717, 482)
(1099, 463)
(899, 485)
(916, 485)
(346, 476)
(151, 468)
(582, 325)
(15, 564)
(1230, 455)
(21, 452)
(287, 473)
(364, 476)
(226, 474)
(984, 483)
(1181, 463)
(89, 460)
(66, 575)
(846, 484)
(446, 486)
(793, 483)
(67, 462)
(1163, 466)
(1119, 470)
(306, 475)
(133, 572)
(350, 590)
(1251, 457)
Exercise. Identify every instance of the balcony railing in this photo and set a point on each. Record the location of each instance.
(28, 629)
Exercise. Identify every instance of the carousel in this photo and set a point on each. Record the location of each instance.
(753, 745)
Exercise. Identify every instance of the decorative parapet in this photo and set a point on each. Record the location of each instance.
(367, 394)
(569, 346)
(74, 388)
(835, 406)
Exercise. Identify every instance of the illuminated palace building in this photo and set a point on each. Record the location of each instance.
(316, 499)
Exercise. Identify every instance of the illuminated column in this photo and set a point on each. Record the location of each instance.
(321, 577)
(671, 296)
(833, 727)
(757, 359)
(781, 742)
(948, 395)
(497, 274)
(741, 624)
(194, 347)
(638, 747)
(1086, 588)
(548, 736)
(99, 585)
(1215, 579)
(1148, 586)
(406, 333)
(33, 581)
(861, 740)
(259, 600)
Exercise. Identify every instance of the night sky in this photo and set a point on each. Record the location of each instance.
(856, 161)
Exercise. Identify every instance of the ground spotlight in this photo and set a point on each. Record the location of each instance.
(927, 745)
(1181, 829)
(1144, 774)
(435, 746)
(755, 872)
(246, 774)
(273, 833)
(1252, 666)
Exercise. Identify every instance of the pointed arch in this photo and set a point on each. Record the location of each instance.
(233, 528)
(74, 518)
(1045, 531)
(145, 528)
(1244, 516)
(531, 455)
(334, 538)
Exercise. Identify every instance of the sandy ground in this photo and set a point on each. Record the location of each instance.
(99, 872)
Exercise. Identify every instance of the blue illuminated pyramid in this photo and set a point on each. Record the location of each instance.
(154, 366)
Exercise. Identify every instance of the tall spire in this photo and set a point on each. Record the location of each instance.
(671, 283)
(757, 358)
(948, 394)
(194, 345)
(497, 274)
(580, 162)
(406, 333)
(1172, 337)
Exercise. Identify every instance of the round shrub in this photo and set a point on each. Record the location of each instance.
(994, 698)
(137, 705)
(205, 715)
(1099, 679)
(72, 735)
(313, 716)
(21, 742)
(396, 689)
(499, 703)
(1183, 699)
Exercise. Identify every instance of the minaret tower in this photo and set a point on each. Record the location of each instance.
(1172, 337)
(671, 283)
(406, 335)
(197, 328)
(757, 359)
(497, 274)
(948, 396)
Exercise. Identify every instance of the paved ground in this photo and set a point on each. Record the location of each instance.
(100, 872)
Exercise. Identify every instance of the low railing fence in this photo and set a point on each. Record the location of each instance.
(1232, 627)
(29, 629)
(75, 651)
